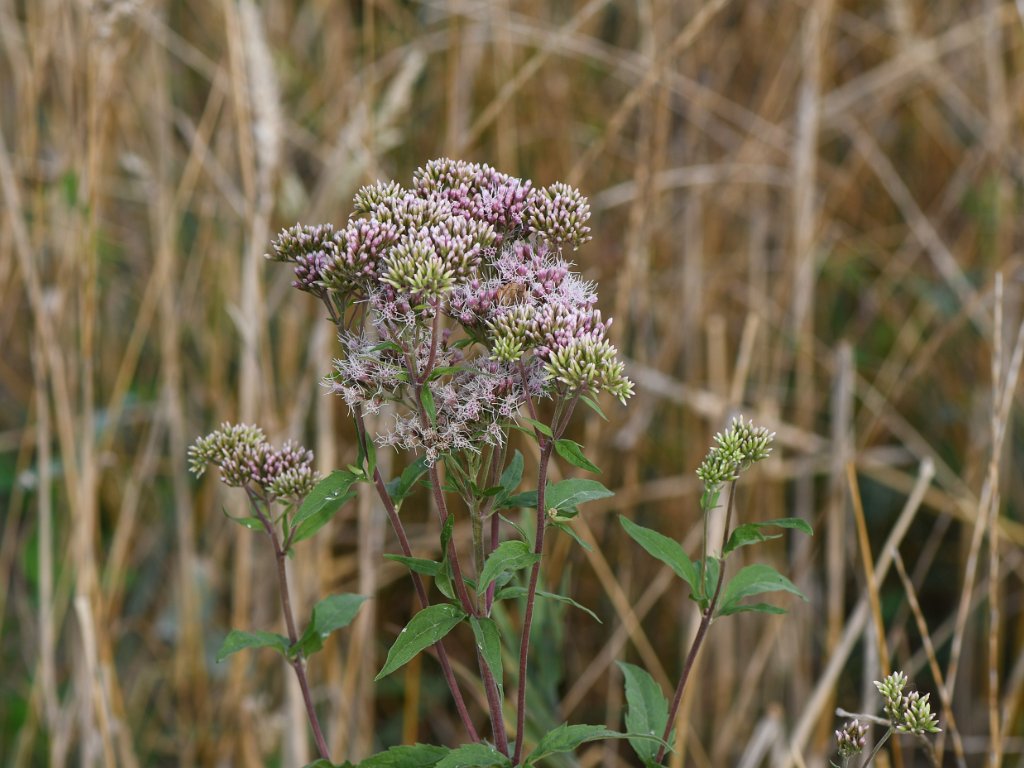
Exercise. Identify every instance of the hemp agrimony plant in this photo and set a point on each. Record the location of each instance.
(455, 306)
(904, 713)
(736, 449)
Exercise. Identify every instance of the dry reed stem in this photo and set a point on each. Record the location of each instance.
(857, 620)
(948, 718)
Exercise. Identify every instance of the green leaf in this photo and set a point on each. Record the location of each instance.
(513, 591)
(427, 398)
(646, 713)
(411, 756)
(710, 574)
(745, 535)
(751, 533)
(331, 613)
(238, 641)
(252, 523)
(321, 763)
(443, 370)
(752, 580)
(592, 405)
(752, 608)
(572, 452)
(400, 487)
(524, 500)
(661, 547)
(510, 479)
(327, 496)
(570, 493)
(508, 557)
(426, 628)
(313, 524)
(417, 564)
(568, 531)
(566, 738)
(478, 755)
(544, 429)
(488, 640)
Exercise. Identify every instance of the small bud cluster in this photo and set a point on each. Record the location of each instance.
(741, 445)
(245, 458)
(313, 250)
(466, 247)
(852, 738)
(910, 712)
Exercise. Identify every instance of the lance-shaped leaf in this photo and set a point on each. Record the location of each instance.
(417, 564)
(331, 613)
(409, 756)
(753, 533)
(515, 591)
(322, 503)
(566, 738)
(488, 640)
(754, 580)
(237, 641)
(478, 755)
(646, 712)
(661, 547)
(572, 452)
(510, 556)
(568, 494)
(402, 486)
(426, 628)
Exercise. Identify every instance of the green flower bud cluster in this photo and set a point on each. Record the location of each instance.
(740, 446)
(910, 712)
(588, 365)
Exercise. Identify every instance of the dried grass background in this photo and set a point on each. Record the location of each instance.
(804, 210)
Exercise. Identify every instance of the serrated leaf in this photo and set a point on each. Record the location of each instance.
(478, 755)
(566, 738)
(572, 452)
(426, 628)
(646, 712)
(753, 580)
(409, 756)
(329, 494)
(238, 641)
(508, 557)
(513, 591)
(417, 564)
(488, 641)
(574, 491)
(751, 533)
(427, 399)
(330, 614)
(668, 551)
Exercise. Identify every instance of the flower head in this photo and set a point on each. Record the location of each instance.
(736, 449)
(246, 459)
(851, 739)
